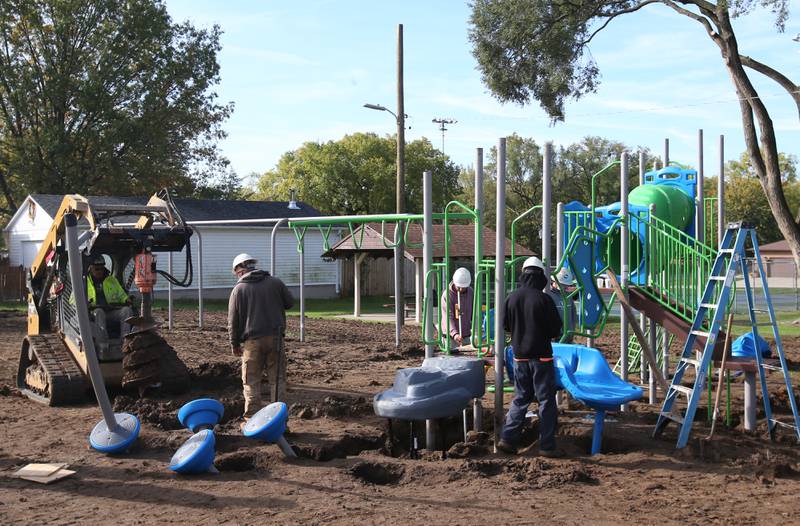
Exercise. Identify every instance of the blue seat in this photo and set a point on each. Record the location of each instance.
(586, 375)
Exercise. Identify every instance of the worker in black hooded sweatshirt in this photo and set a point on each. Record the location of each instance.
(533, 320)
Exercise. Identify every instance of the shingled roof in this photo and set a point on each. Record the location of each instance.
(462, 242)
(198, 209)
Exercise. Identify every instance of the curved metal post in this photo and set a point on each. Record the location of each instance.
(302, 289)
(200, 281)
(84, 325)
(272, 245)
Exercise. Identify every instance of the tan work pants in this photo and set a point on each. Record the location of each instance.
(260, 356)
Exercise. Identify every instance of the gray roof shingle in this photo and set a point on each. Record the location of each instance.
(198, 209)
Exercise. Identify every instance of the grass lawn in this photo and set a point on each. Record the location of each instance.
(13, 306)
(315, 308)
(328, 308)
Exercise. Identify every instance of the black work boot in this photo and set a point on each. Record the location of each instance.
(506, 447)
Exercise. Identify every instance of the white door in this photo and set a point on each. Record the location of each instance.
(29, 251)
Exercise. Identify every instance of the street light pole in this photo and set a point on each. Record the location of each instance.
(399, 250)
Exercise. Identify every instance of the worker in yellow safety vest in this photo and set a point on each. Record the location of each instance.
(108, 302)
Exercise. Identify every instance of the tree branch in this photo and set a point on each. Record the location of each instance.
(611, 16)
(694, 16)
(777, 76)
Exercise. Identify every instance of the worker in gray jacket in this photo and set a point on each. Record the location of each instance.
(256, 324)
(565, 306)
(456, 306)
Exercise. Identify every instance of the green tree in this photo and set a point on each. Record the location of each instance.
(357, 174)
(573, 168)
(744, 199)
(107, 97)
(539, 50)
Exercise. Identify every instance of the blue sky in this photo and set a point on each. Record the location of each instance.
(301, 71)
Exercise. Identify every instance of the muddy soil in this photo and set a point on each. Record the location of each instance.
(349, 470)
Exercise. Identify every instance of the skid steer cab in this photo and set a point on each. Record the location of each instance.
(119, 247)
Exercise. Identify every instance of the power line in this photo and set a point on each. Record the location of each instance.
(707, 102)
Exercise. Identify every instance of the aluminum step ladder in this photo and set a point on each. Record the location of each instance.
(730, 259)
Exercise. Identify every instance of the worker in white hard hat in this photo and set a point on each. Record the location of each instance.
(562, 285)
(256, 325)
(456, 306)
(532, 320)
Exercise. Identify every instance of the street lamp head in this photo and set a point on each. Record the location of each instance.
(375, 107)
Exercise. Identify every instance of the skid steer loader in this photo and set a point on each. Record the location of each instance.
(52, 365)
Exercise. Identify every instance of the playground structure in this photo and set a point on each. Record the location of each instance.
(660, 241)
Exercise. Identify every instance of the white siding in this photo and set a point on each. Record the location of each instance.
(222, 244)
(22, 229)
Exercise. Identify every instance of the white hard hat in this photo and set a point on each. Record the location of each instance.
(244, 257)
(461, 278)
(565, 276)
(533, 261)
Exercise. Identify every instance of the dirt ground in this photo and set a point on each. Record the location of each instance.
(349, 472)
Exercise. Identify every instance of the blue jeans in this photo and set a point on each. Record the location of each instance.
(533, 380)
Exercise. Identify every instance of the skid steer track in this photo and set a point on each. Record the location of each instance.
(47, 373)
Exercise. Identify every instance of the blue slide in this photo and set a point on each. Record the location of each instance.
(585, 374)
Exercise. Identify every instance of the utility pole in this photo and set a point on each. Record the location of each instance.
(399, 251)
(443, 122)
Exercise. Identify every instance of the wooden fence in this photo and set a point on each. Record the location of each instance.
(12, 283)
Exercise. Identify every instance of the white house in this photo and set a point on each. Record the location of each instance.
(220, 241)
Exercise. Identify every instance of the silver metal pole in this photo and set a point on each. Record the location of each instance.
(665, 355)
(642, 160)
(623, 256)
(200, 283)
(721, 191)
(666, 153)
(642, 317)
(750, 405)
(427, 263)
(169, 292)
(477, 407)
(653, 341)
(303, 289)
(84, 325)
(547, 175)
(559, 232)
(499, 289)
(651, 367)
(427, 257)
(699, 222)
(399, 295)
(273, 245)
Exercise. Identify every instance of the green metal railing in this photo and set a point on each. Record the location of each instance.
(678, 267)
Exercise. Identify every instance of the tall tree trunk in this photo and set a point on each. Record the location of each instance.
(11, 205)
(761, 146)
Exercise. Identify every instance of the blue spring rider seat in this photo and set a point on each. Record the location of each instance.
(268, 425)
(585, 374)
(200, 414)
(196, 455)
